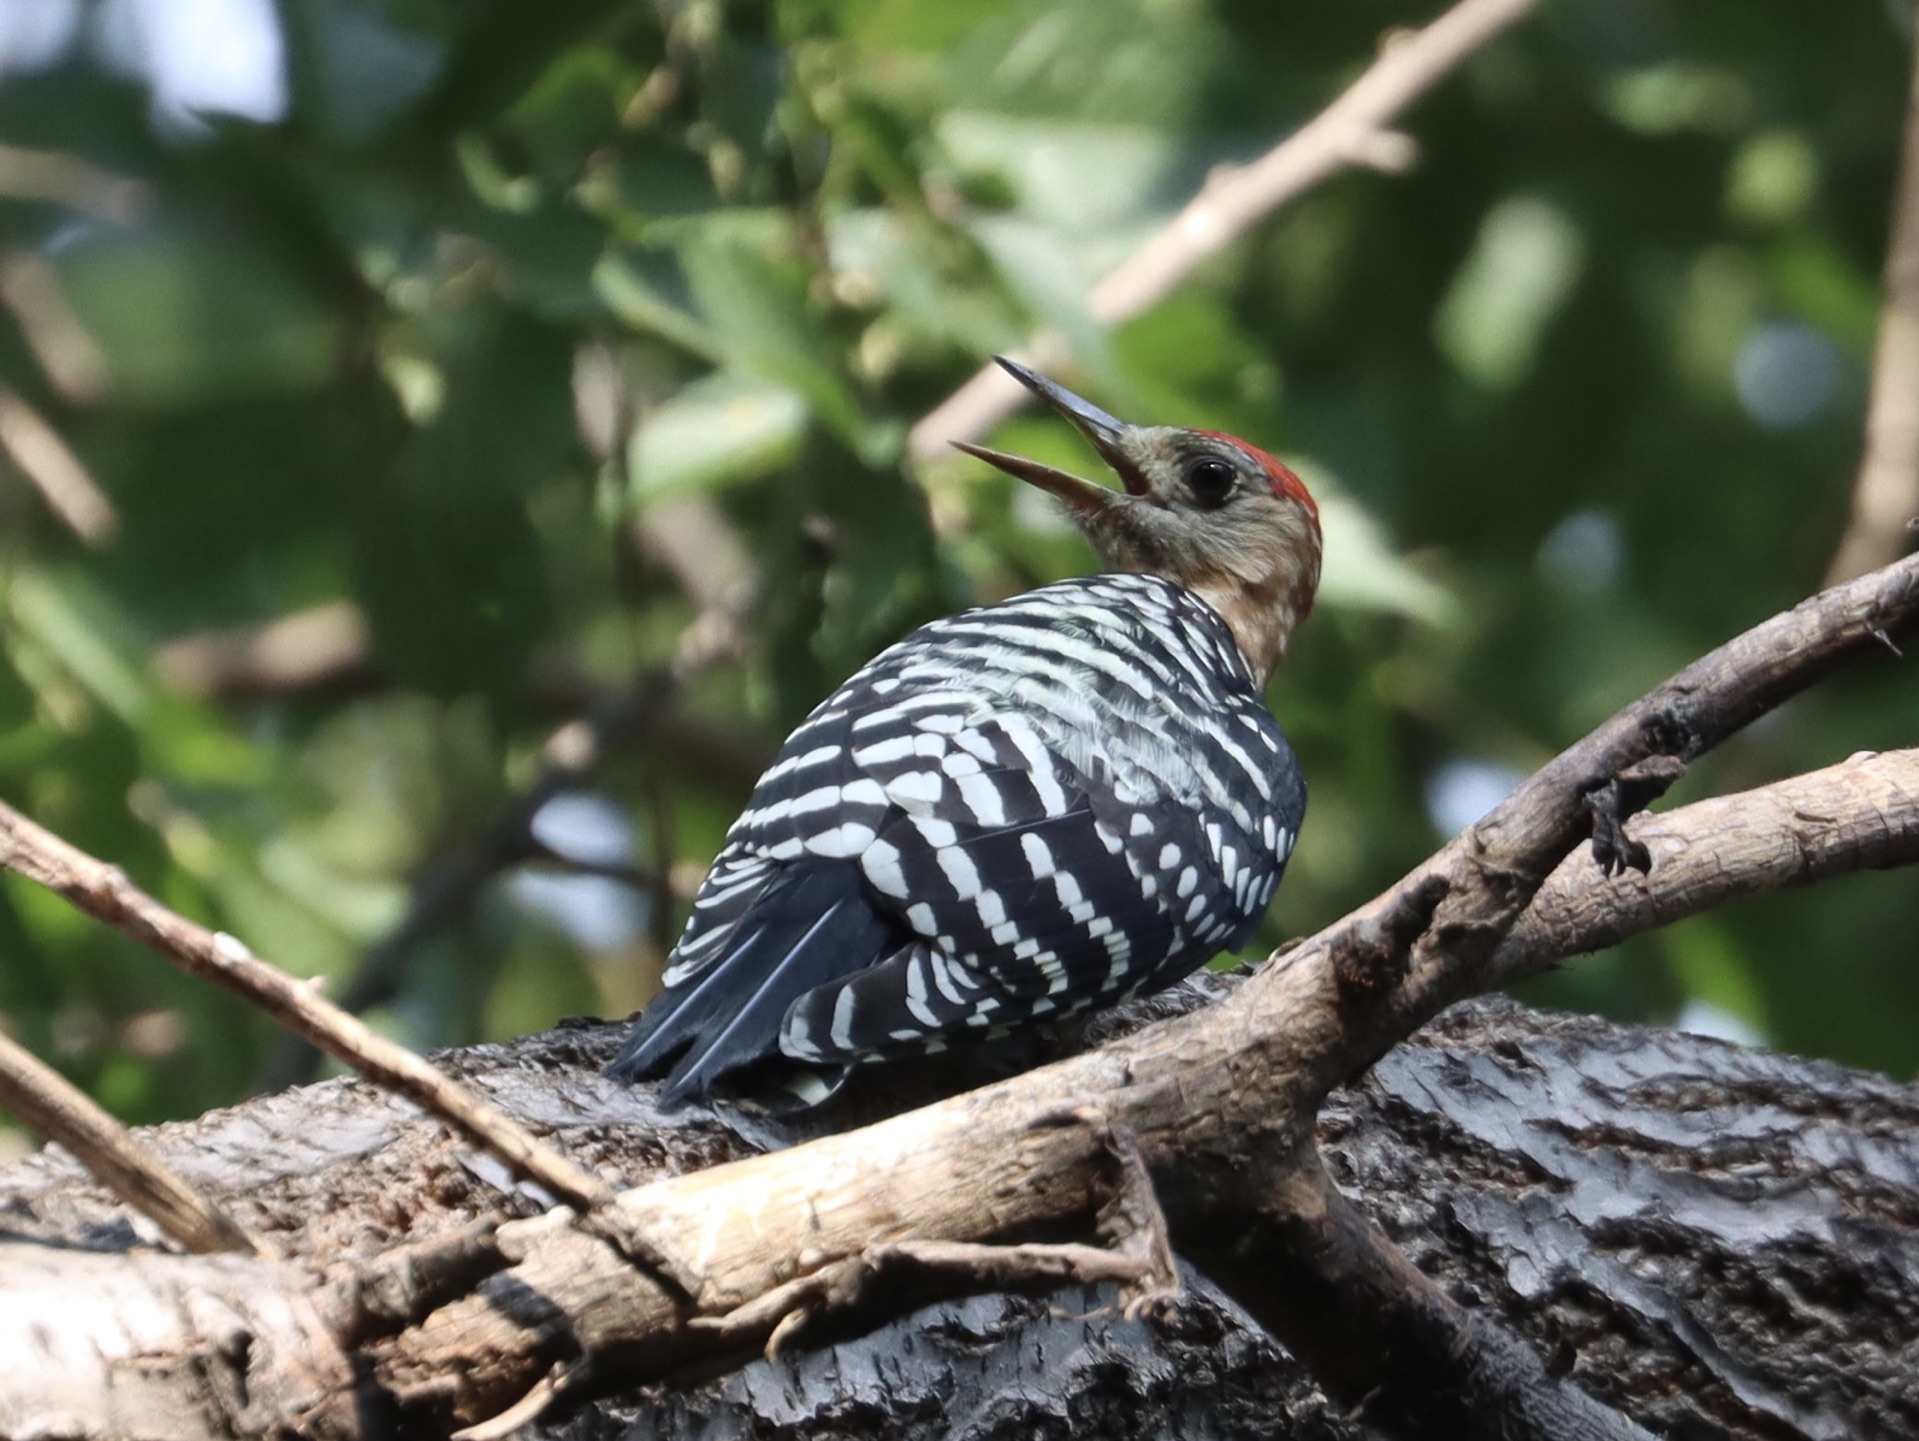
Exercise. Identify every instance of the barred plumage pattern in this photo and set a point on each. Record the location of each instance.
(1057, 802)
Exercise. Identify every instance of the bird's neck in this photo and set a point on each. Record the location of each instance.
(1261, 617)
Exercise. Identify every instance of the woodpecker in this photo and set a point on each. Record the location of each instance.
(1023, 811)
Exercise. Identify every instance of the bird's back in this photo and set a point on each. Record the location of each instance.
(1060, 801)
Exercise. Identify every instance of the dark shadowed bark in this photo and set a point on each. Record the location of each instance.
(1717, 1241)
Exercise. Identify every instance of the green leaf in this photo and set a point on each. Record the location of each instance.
(716, 431)
(1361, 569)
(81, 627)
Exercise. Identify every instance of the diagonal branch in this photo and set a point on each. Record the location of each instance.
(60, 1111)
(422, 1317)
(1208, 1095)
(104, 892)
(47, 461)
(1885, 497)
(1352, 131)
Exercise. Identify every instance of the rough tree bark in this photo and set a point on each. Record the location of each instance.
(1719, 1241)
(1711, 1241)
(483, 1323)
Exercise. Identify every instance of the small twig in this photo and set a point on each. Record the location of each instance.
(1885, 497)
(104, 892)
(639, 878)
(55, 471)
(923, 1271)
(322, 647)
(69, 356)
(525, 1411)
(48, 1103)
(61, 179)
(1133, 1225)
(400, 1287)
(1138, 1254)
(1352, 131)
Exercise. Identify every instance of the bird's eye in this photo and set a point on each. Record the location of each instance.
(1211, 480)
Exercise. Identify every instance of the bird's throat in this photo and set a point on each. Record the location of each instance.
(1261, 615)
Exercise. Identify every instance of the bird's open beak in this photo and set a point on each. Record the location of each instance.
(1106, 434)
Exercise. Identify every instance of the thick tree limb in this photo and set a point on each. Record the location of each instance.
(1211, 1096)
(1312, 1269)
(1207, 1095)
(1352, 131)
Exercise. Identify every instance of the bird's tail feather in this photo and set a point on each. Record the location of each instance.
(812, 926)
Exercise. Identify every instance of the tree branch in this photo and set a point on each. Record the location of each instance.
(104, 892)
(324, 647)
(46, 460)
(63, 179)
(1862, 814)
(1352, 131)
(1885, 497)
(50, 1104)
(1208, 1095)
(430, 1316)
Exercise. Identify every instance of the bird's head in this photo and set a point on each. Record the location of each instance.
(1201, 508)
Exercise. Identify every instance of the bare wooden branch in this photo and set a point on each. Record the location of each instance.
(60, 1111)
(103, 891)
(1885, 497)
(69, 356)
(1212, 1096)
(1862, 814)
(1352, 131)
(1206, 1093)
(46, 460)
(64, 179)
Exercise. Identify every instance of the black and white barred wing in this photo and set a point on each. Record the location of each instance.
(996, 821)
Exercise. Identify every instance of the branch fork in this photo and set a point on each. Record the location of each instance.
(1138, 1254)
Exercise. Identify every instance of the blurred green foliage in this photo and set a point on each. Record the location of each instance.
(494, 296)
